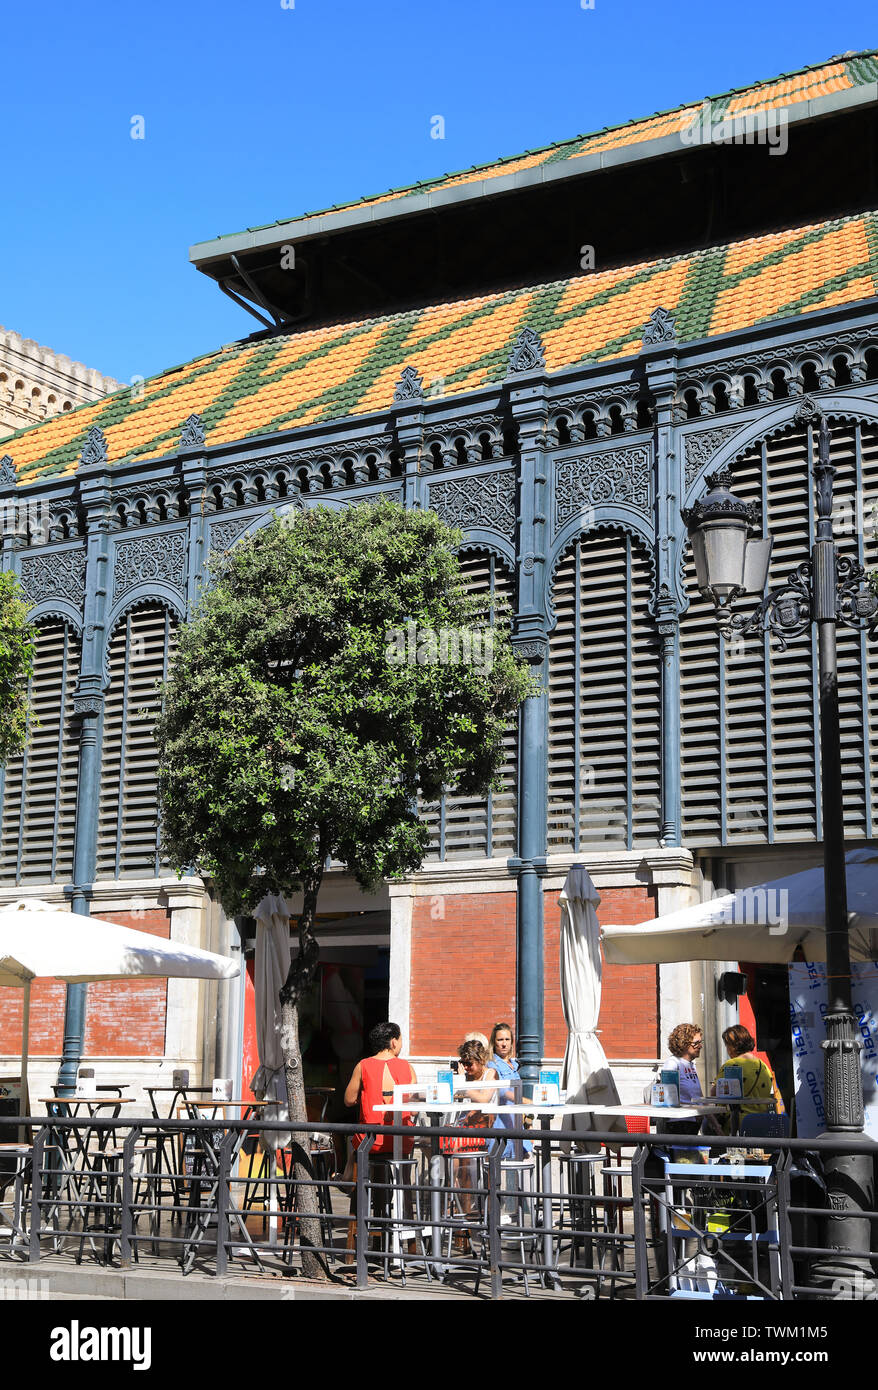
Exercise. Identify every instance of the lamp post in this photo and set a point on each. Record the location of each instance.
(827, 590)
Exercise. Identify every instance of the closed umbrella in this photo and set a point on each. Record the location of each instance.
(271, 968)
(38, 940)
(586, 1076)
(765, 923)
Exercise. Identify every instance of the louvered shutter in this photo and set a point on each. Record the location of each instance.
(604, 698)
(469, 827)
(39, 787)
(140, 649)
(750, 757)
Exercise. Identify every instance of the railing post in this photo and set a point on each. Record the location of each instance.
(492, 1210)
(641, 1256)
(36, 1193)
(362, 1231)
(787, 1272)
(127, 1197)
(222, 1203)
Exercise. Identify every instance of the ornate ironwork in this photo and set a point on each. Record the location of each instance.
(59, 575)
(8, 476)
(661, 327)
(785, 612)
(192, 434)
(95, 448)
(601, 479)
(409, 387)
(160, 558)
(700, 448)
(857, 602)
(486, 500)
(527, 353)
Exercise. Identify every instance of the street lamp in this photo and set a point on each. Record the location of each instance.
(827, 589)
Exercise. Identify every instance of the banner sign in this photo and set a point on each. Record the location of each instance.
(807, 1008)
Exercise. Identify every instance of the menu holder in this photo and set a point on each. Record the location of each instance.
(221, 1088)
(729, 1086)
(547, 1091)
(665, 1094)
(441, 1091)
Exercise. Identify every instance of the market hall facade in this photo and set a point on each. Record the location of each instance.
(443, 346)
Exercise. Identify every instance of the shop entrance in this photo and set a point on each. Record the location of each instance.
(350, 995)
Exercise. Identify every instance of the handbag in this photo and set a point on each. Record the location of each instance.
(462, 1143)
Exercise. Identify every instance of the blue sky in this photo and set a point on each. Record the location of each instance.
(253, 112)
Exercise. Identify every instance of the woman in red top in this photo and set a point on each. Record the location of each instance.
(372, 1083)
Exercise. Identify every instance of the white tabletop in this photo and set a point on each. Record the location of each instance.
(663, 1112)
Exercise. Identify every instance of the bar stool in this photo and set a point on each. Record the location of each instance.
(518, 1179)
(403, 1177)
(578, 1214)
(464, 1224)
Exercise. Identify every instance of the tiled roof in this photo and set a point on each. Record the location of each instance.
(839, 74)
(348, 369)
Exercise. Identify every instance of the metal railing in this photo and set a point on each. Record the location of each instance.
(632, 1218)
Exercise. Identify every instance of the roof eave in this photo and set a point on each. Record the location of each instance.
(207, 254)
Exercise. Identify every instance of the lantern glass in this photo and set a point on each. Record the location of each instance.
(718, 548)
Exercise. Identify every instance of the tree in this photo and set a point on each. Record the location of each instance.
(17, 640)
(336, 671)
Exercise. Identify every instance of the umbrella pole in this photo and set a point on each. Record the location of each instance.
(24, 1102)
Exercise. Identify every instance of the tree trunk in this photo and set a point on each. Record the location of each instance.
(298, 982)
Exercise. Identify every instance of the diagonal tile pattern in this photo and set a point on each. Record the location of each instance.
(348, 369)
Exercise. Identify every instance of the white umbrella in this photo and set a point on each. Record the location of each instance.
(586, 1076)
(271, 968)
(37, 940)
(763, 924)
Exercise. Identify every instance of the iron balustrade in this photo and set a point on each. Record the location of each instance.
(209, 1195)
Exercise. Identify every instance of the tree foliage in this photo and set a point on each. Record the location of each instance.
(17, 640)
(292, 730)
(312, 699)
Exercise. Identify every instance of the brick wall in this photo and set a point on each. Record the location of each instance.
(124, 1017)
(463, 973)
(629, 993)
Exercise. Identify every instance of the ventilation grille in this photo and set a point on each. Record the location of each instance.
(604, 699)
(39, 788)
(464, 827)
(140, 648)
(749, 739)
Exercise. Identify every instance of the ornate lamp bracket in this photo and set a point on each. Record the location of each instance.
(788, 611)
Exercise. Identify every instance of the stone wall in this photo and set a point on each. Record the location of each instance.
(37, 383)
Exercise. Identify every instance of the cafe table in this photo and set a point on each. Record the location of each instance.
(546, 1113)
(206, 1158)
(71, 1147)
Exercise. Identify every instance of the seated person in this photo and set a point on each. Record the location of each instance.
(684, 1044)
(757, 1078)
